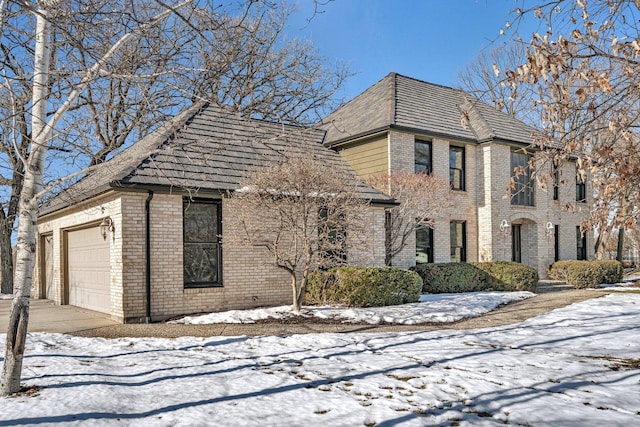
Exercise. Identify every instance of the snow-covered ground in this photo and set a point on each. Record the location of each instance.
(431, 308)
(566, 368)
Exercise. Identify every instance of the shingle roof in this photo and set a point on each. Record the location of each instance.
(405, 102)
(205, 148)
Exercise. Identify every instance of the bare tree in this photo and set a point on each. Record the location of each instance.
(310, 216)
(422, 199)
(233, 54)
(585, 70)
(484, 79)
(83, 78)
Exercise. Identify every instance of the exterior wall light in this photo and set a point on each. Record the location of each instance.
(548, 229)
(106, 227)
(505, 227)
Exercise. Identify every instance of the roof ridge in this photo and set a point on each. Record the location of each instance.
(428, 83)
(156, 139)
(393, 98)
(490, 131)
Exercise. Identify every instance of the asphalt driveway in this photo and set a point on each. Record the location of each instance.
(45, 316)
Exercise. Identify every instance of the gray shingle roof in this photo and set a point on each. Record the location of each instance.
(405, 102)
(204, 149)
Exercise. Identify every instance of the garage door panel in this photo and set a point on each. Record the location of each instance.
(88, 267)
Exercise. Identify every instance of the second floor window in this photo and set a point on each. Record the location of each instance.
(555, 169)
(581, 188)
(456, 167)
(522, 193)
(423, 157)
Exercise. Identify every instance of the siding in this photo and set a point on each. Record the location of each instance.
(368, 157)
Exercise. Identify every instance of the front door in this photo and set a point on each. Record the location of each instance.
(516, 243)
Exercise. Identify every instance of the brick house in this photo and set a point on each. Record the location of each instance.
(128, 239)
(401, 124)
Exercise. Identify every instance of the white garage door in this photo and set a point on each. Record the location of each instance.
(89, 268)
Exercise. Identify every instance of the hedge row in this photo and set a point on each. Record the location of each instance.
(363, 286)
(476, 276)
(587, 274)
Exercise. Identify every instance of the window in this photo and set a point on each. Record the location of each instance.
(581, 188)
(424, 244)
(581, 238)
(423, 157)
(556, 242)
(458, 241)
(555, 168)
(333, 238)
(522, 193)
(202, 249)
(456, 167)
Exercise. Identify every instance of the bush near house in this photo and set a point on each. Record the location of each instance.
(587, 274)
(363, 286)
(476, 276)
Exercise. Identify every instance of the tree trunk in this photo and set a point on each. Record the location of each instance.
(19, 317)
(620, 243)
(294, 288)
(6, 256)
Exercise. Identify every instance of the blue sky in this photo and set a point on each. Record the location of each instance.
(430, 40)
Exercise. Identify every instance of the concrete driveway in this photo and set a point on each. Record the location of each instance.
(45, 316)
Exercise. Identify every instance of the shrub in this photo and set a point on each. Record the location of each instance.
(586, 274)
(611, 271)
(363, 286)
(511, 276)
(478, 276)
(450, 277)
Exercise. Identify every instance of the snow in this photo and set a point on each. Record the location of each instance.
(553, 370)
(431, 308)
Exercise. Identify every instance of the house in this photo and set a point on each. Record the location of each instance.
(401, 124)
(121, 239)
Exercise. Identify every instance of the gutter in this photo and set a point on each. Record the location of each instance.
(147, 214)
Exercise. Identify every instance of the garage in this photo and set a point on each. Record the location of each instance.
(88, 269)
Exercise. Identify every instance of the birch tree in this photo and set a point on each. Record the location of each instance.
(95, 74)
(233, 54)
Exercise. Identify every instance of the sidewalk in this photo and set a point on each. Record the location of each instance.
(505, 315)
(45, 316)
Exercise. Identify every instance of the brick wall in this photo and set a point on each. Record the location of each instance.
(537, 244)
(485, 203)
(84, 214)
(249, 277)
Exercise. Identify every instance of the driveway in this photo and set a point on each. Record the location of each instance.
(45, 316)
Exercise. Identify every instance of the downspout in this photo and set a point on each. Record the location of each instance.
(147, 213)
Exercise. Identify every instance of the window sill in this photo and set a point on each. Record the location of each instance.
(203, 289)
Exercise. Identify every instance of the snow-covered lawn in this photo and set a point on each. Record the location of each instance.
(566, 368)
(431, 308)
